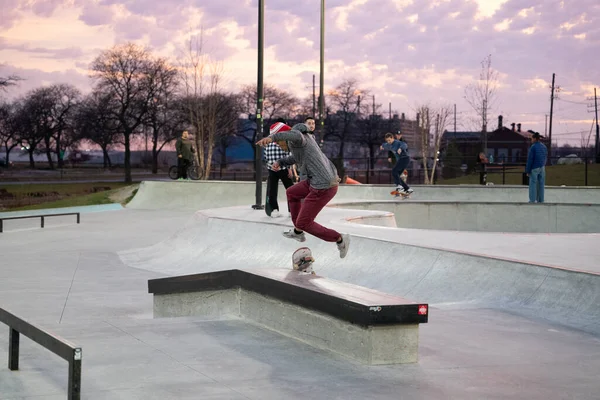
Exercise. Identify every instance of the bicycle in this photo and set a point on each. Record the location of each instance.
(194, 172)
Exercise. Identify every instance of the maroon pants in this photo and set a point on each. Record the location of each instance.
(304, 213)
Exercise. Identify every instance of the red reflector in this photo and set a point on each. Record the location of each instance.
(423, 309)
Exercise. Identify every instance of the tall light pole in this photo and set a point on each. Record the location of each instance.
(549, 162)
(597, 128)
(322, 72)
(259, 105)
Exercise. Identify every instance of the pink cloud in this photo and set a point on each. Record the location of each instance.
(94, 14)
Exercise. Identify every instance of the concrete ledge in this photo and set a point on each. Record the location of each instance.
(486, 216)
(359, 323)
(373, 345)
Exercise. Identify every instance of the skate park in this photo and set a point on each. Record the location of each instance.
(513, 297)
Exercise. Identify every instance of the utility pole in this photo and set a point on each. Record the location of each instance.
(390, 110)
(314, 98)
(454, 118)
(322, 72)
(373, 106)
(259, 105)
(550, 127)
(546, 126)
(597, 129)
(484, 126)
(595, 110)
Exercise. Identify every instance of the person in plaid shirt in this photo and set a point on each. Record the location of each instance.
(275, 151)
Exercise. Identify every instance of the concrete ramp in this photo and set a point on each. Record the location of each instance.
(487, 216)
(441, 278)
(197, 195)
(200, 195)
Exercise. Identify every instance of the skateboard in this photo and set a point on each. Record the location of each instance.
(302, 260)
(268, 209)
(400, 194)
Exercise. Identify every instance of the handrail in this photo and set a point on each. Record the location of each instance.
(59, 346)
(42, 216)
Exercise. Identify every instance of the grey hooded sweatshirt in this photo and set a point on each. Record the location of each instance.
(306, 153)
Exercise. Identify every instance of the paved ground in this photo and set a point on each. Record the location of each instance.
(88, 283)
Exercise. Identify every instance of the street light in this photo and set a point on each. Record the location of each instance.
(259, 106)
(259, 95)
(322, 71)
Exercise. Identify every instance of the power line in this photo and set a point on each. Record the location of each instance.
(570, 133)
(573, 102)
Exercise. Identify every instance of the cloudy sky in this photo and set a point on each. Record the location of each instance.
(405, 51)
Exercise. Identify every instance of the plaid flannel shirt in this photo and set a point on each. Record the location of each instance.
(274, 153)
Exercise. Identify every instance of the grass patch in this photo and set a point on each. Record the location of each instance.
(41, 196)
(556, 175)
(75, 201)
(128, 199)
(61, 188)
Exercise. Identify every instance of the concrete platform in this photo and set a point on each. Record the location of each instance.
(199, 195)
(362, 324)
(512, 315)
(476, 216)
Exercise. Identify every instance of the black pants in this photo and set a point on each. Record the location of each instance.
(273, 184)
(400, 166)
(182, 167)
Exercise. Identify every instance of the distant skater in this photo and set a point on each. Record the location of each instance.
(399, 149)
(308, 197)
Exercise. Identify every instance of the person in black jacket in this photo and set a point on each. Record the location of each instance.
(185, 152)
(391, 155)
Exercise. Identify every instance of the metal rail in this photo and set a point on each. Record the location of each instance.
(2, 219)
(59, 346)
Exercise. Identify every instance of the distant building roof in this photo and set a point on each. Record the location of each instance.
(463, 135)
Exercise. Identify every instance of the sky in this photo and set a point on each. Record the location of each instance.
(406, 52)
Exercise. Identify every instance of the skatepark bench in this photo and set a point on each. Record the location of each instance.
(360, 323)
(42, 216)
(61, 347)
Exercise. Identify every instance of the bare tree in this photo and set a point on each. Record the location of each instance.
(7, 81)
(65, 98)
(129, 73)
(481, 95)
(164, 118)
(208, 107)
(8, 137)
(305, 107)
(443, 115)
(96, 122)
(54, 106)
(277, 102)
(424, 133)
(345, 101)
(372, 128)
(435, 119)
(30, 124)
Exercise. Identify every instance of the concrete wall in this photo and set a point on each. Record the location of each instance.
(393, 344)
(192, 195)
(488, 217)
(440, 278)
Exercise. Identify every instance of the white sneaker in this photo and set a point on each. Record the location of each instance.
(409, 191)
(275, 214)
(301, 237)
(343, 247)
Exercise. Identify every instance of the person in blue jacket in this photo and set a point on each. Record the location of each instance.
(535, 168)
(400, 150)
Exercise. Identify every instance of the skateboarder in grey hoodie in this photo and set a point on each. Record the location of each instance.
(317, 190)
